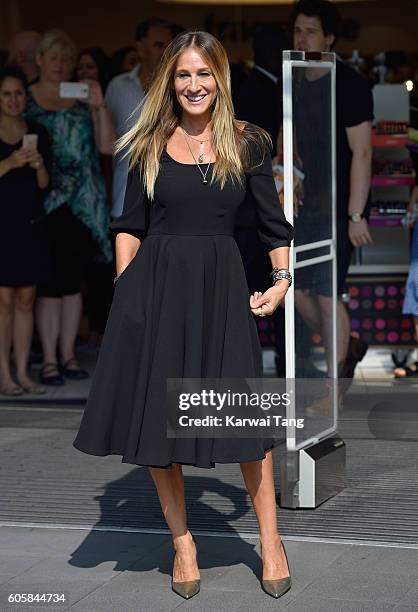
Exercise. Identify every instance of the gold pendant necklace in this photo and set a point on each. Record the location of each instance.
(202, 156)
(198, 160)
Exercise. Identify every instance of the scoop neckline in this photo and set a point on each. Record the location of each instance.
(47, 110)
(14, 144)
(183, 163)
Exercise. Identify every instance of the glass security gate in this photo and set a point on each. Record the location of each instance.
(314, 467)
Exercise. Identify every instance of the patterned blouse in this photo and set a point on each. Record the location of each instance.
(76, 175)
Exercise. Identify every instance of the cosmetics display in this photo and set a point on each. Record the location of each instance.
(403, 167)
(388, 208)
(392, 127)
(377, 275)
(395, 173)
(375, 303)
(266, 332)
(378, 272)
(387, 213)
(375, 308)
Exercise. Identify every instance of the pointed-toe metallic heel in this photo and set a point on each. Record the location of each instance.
(186, 589)
(277, 588)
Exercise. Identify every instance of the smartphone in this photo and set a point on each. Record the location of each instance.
(30, 142)
(74, 90)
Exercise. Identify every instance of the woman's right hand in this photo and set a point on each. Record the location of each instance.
(410, 209)
(19, 158)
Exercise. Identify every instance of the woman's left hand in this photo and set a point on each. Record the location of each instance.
(95, 98)
(263, 304)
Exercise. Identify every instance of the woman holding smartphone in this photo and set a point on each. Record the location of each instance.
(76, 204)
(24, 159)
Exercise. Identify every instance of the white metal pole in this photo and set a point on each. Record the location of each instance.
(334, 372)
(288, 210)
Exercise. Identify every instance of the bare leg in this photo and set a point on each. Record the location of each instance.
(258, 478)
(343, 328)
(7, 298)
(48, 314)
(70, 323)
(308, 308)
(22, 332)
(170, 488)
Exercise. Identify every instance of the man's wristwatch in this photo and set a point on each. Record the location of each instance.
(356, 217)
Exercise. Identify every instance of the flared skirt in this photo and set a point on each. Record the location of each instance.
(180, 310)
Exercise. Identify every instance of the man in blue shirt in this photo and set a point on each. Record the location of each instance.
(126, 91)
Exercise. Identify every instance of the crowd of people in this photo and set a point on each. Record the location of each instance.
(61, 184)
(58, 193)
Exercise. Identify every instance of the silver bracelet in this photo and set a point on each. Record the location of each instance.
(280, 274)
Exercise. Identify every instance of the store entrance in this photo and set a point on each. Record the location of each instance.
(314, 467)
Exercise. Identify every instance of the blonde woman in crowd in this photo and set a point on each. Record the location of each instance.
(76, 203)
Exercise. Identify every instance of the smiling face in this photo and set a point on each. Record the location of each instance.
(87, 68)
(194, 83)
(12, 97)
(56, 64)
(308, 35)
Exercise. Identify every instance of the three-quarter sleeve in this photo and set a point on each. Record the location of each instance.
(273, 229)
(135, 215)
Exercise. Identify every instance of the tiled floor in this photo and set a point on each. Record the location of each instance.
(376, 366)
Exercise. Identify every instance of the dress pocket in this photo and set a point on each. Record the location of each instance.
(126, 270)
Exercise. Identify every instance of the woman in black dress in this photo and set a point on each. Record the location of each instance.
(182, 307)
(23, 240)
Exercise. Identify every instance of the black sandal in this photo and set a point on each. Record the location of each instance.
(73, 373)
(409, 371)
(400, 364)
(55, 380)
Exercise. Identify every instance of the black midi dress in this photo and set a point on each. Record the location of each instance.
(180, 310)
(25, 258)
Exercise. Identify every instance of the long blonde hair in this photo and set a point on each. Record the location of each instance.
(161, 113)
(60, 38)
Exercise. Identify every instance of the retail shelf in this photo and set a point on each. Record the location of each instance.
(391, 181)
(378, 269)
(386, 221)
(392, 140)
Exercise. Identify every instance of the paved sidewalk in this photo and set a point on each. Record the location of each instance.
(44, 481)
(105, 571)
